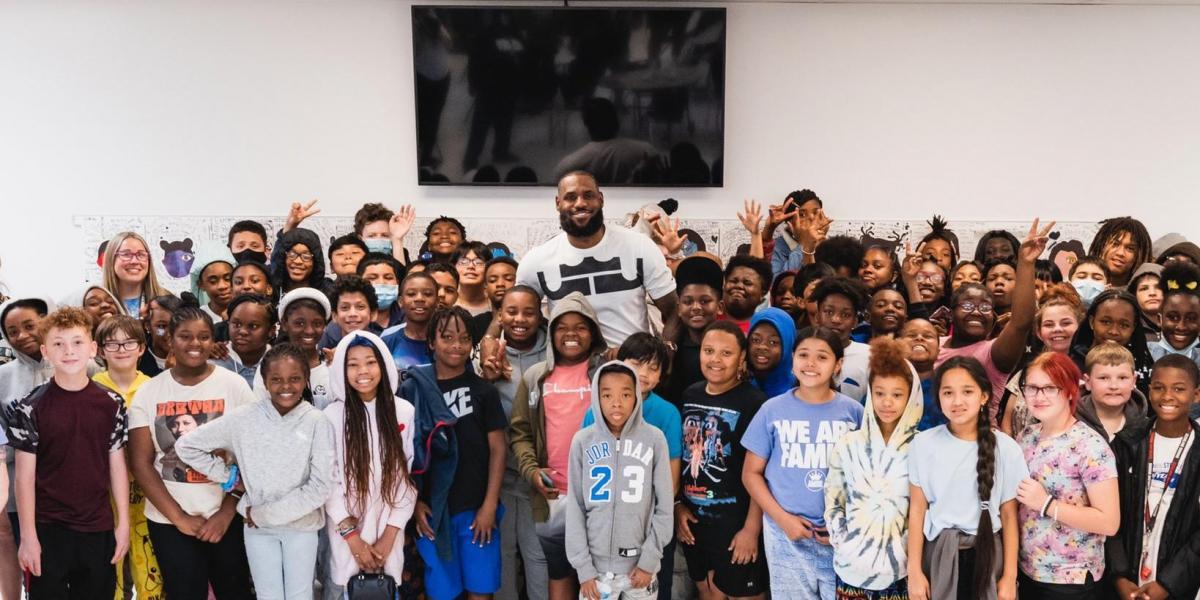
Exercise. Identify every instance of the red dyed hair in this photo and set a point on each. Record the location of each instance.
(1062, 372)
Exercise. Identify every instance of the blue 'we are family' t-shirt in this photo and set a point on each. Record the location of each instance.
(796, 439)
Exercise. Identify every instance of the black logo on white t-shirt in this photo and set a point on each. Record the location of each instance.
(591, 277)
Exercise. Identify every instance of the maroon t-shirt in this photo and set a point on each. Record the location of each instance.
(72, 434)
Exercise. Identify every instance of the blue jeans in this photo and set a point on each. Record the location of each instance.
(802, 569)
(282, 562)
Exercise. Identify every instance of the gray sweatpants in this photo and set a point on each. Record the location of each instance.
(517, 535)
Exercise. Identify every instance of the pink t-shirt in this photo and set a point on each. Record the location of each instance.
(982, 352)
(566, 396)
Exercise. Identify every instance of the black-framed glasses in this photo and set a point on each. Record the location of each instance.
(127, 345)
(1032, 391)
(982, 307)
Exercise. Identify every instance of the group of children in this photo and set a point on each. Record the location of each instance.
(818, 418)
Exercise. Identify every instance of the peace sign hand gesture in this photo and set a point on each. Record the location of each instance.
(912, 260)
(1035, 242)
(298, 213)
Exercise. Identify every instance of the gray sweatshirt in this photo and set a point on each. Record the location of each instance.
(619, 496)
(286, 462)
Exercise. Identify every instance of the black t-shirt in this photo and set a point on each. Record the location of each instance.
(476, 403)
(477, 326)
(712, 449)
(147, 364)
(685, 371)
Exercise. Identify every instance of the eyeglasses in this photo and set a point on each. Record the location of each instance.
(126, 345)
(306, 257)
(470, 262)
(130, 255)
(1032, 391)
(982, 307)
(930, 277)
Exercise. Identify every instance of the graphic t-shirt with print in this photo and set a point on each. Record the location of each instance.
(171, 410)
(406, 352)
(566, 396)
(796, 438)
(476, 405)
(713, 427)
(1065, 465)
(616, 275)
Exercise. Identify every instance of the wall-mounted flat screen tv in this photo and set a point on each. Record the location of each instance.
(522, 95)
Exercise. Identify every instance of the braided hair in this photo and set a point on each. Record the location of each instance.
(1110, 233)
(360, 443)
(284, 351)
(985, 469)
(188, 310)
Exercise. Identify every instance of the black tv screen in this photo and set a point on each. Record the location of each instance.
(522, 95)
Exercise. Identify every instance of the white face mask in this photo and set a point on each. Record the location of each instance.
(380, 245)
(1088, 289)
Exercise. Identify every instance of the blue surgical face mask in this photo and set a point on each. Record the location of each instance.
(382, 245)
(386, 294)
(1088, 289)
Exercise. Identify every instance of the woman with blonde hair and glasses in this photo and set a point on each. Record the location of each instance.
(129, 272)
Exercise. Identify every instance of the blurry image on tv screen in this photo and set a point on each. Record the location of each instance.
(521, 96)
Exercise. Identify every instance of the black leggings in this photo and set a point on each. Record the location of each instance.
(189, 565)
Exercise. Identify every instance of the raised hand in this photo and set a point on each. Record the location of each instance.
(495, 366)
(401, 222)
(751, 217)
(778, 214)
(298, 213)
(912, 260)
(666, 233)
(1035, 241)
(810, 230)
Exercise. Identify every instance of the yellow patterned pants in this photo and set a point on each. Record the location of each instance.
(139, 567)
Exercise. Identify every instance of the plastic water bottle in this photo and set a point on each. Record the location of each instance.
(604, 588)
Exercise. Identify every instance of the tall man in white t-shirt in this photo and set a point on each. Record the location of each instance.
(616, 268)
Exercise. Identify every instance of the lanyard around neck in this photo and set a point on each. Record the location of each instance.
(1152, 517)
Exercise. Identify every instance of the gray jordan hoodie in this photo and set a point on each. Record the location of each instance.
(619, 499)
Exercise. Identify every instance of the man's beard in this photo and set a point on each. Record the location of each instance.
(588, 229)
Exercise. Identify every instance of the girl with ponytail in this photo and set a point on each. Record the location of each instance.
(964, 537)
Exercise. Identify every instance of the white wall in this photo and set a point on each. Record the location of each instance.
(889, 111)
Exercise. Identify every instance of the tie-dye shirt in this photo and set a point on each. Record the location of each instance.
(1065, 465)
(866, 498)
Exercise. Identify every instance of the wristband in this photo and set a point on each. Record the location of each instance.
(349, 534)
(232, 481)
(1046, 505)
